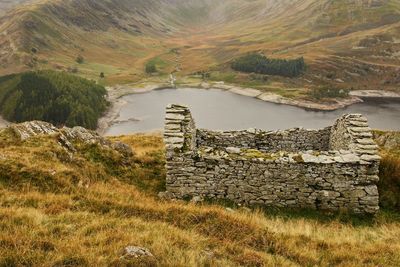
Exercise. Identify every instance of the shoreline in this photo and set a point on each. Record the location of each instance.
(110, 116)
(375, 94)
(115, 93)
(119, 91)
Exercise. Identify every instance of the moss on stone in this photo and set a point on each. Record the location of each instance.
(316, 153)
(186, 142)
(298, 158)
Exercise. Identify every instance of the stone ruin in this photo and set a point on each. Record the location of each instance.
(335, 168)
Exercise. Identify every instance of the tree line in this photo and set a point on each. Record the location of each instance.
(56, 97)
(258, 63)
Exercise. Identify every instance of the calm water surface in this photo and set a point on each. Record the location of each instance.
(221, 110)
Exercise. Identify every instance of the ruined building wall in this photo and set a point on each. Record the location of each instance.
(335, 168)
(268, 141)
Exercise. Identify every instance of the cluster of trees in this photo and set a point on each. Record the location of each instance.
(151, 67)
(56, 97)
(329, 92)
(205, 75)
(80, 59)
(258, 63)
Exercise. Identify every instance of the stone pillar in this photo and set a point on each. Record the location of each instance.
(352, 133)
(180, 142)
(179, 130)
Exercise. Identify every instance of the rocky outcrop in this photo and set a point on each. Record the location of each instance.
(136, 252)
(136, 256)
(335, 168)
(33, 128)
(67, 136)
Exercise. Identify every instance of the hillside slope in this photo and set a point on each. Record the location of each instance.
(6, 5)
(82, 207)
(346, 41)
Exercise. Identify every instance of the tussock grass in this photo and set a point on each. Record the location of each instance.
(389, 184)
(50, 219)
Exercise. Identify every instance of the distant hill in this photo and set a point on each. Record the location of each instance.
(350, 42)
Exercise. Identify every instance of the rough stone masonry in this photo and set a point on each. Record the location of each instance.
(335, 168)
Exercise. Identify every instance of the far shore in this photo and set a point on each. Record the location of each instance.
(115, 94)
(375, 94)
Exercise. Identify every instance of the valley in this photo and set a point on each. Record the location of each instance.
(123, 136)
(346, 44)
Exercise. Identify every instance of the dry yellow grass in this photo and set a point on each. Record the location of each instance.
(90, 225)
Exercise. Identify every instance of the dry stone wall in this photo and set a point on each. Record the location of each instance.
(291, 140)
(335, 168)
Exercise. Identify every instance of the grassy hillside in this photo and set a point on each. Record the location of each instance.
(390, 169)
(6, 5)
(349, 44)
(56, 97)
(82, 212)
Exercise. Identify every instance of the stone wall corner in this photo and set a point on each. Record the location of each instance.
(179, 130)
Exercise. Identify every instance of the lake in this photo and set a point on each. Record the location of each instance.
(222, 110)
